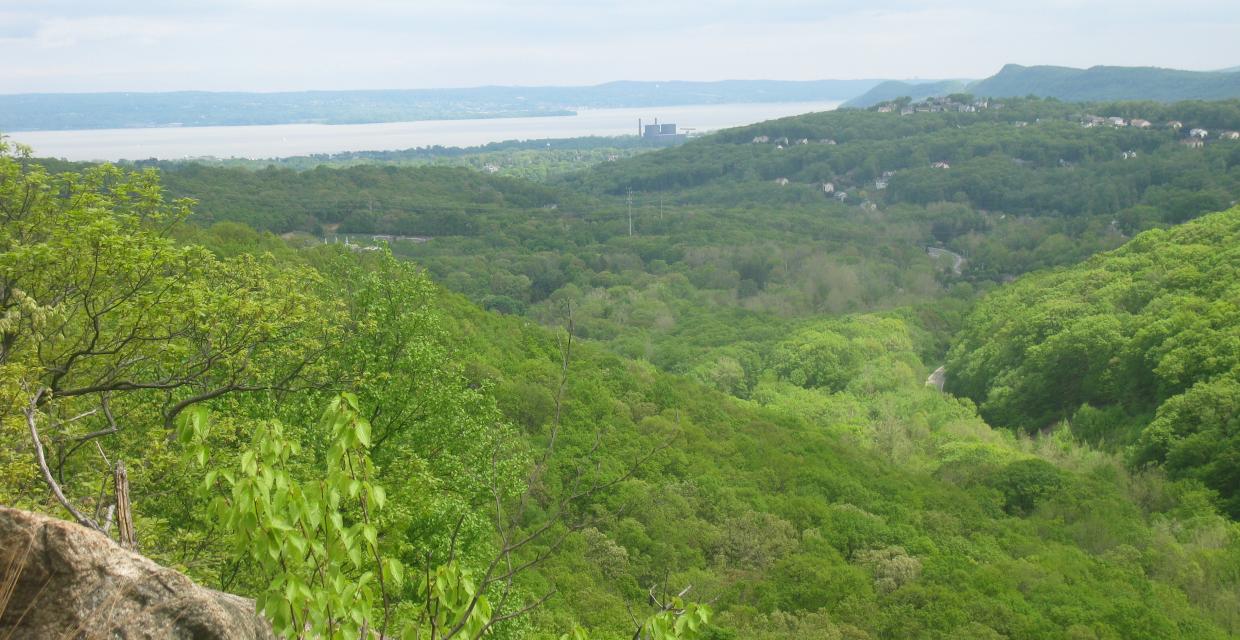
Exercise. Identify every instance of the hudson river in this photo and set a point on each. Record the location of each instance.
(274, 141)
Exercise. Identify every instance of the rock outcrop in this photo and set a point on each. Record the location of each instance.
(71, 582)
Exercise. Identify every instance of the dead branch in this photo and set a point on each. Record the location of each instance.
(31, 412)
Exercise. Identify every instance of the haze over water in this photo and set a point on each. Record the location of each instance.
(274, 141)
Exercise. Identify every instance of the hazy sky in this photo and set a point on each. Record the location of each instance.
(267, 45)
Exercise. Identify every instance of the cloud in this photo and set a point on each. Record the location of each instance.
(80, 33)
(66, 45)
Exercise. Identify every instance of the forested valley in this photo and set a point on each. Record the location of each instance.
(679, 393)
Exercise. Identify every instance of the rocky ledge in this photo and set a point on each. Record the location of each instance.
(66, 581)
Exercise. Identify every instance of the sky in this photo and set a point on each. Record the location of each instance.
(285, 45)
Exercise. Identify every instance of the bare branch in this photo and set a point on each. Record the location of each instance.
(31, 412)
(519, 612)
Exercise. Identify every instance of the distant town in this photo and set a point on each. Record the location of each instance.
(1190, 136)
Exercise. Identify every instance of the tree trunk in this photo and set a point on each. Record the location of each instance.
(124, 514)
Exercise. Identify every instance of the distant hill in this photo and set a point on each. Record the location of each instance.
(40, 111)
(1095, 84)
(1109, 83)
(893, 89)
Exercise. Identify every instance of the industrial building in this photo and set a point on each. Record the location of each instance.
(661, 134)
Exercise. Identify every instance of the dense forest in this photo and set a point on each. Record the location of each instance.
(537, 159)
(666, 396)
(1148, 331)
(722, 255)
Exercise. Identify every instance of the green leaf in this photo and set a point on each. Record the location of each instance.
(395, 570)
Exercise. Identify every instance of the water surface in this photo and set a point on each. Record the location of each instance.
(274, 141)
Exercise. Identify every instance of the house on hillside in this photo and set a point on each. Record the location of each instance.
(490, 168)
(1139, 123)
(880, 183)
(1175, 125)
(1199, 133)
(828, 141)
(783, 182)
(886, 108)
(828, 187)
(869, 206)
(907, 111)
(841, 196)
(1116, 121)
(940, 165)
(803, 141)
(1193, 143)
(761, 139)
(1229, 135)
(1128, 155)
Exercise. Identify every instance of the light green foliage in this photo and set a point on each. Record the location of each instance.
(893, 567)
(454, 606)
(315, 541)
(832, 356)
(800, 476)
(681, 622)
(123, 327)
(877, 510)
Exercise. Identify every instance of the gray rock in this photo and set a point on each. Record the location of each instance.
(72, 582)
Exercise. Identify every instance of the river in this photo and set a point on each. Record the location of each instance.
(274, 141)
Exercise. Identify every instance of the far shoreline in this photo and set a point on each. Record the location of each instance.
(257, 142)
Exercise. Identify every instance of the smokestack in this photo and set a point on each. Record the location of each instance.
(639, 127)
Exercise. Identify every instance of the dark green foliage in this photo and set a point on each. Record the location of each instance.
(1070, 85)
(1138, 346)
(1025, 483)
(358, 200)
(1109, 83)
(893, 90)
